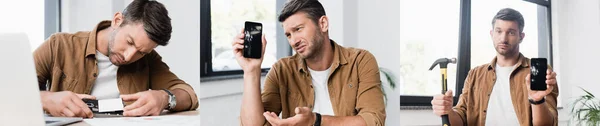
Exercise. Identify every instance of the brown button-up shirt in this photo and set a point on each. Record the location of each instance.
(67, 62)
(354, 86)
(473, 102)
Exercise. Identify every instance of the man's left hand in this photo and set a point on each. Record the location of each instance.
(550, 84)
(303, 117)
(147, 103)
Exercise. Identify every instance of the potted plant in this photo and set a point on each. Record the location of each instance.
(586, 109)
(391, 79)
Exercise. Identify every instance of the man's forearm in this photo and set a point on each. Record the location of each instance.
(342, 121)
(183, 98)
(541, 115)
(252, 108)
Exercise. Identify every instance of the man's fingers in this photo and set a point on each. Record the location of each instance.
(80, 108)
(73, 108)
(140, 111)
(84, 107)
(264, 44)
(130, 97)
(68, 112)
(85, 96)
(551, 82)
(150, 112)
(271, 119)
(238, 46)
(449, 93)
(302, 110)
(134, 105)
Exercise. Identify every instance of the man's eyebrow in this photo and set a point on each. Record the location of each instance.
(135, 44)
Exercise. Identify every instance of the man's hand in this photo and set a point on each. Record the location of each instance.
(442, 103)
(247, 64)
(550, 83)
(147, 103)
(66, 103)
(303, 117)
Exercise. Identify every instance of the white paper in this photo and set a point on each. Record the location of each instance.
(110, 105)
(170, 120)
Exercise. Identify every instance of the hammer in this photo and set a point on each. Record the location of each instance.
(443, 68)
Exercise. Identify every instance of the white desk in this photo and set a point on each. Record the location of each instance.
(186, 118)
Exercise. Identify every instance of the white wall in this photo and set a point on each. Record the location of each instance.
(371, 25)
(378, 23)
(183, 52)
(575, 27)
(25, 16)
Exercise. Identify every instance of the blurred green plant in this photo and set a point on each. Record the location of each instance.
(586, 109)
(391, 79)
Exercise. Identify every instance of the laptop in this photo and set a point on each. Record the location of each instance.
(20, 97)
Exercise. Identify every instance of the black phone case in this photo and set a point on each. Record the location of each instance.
(538, 69)
(252, 40)
(93, 105)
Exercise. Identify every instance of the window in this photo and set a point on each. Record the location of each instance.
(424, 39)
(459, 29)
(28, 20)
(221, 20)
(482, 49)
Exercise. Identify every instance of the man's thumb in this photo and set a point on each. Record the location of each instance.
(301, 110)
(449, 93)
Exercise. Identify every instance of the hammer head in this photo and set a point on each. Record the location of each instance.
(443, 62)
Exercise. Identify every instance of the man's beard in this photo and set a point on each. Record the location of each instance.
(509, 51)
(111, 43)
(317, 47)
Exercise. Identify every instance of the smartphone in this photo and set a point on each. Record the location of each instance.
(252, 40)
(539, 67)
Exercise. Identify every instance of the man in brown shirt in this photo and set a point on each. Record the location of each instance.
(68, 66)
(484, 85)
(322, 77)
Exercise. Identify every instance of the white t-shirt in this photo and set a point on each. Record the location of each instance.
(105, 86)
(322, 100)
(500, 111)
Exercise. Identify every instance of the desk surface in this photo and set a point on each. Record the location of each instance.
(177, 118)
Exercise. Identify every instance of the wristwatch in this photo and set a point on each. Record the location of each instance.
(537, 102)
(318, 119)
(172, 100)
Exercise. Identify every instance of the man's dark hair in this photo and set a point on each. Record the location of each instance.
(313, 9)
(509, 14)
(153, 16)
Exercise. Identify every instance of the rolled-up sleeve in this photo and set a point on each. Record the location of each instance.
(370, 105)
(464, 99)
(162, 78)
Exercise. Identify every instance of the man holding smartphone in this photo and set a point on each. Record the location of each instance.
(322, 84)
(114, 60)
(499, 93)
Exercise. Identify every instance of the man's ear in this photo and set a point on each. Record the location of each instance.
(522, 35)
(324, 23)
(117, 20)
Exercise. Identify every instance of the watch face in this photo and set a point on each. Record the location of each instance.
(172, 101)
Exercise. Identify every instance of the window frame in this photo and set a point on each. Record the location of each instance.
(464, 52)
(52, 17)
(206, 70)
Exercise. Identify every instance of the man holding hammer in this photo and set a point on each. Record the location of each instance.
(498, 93)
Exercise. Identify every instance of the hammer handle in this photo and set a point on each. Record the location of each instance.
(445, 120)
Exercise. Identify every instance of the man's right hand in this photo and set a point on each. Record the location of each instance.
(247, 64)
(66, 103)
(442, 103)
